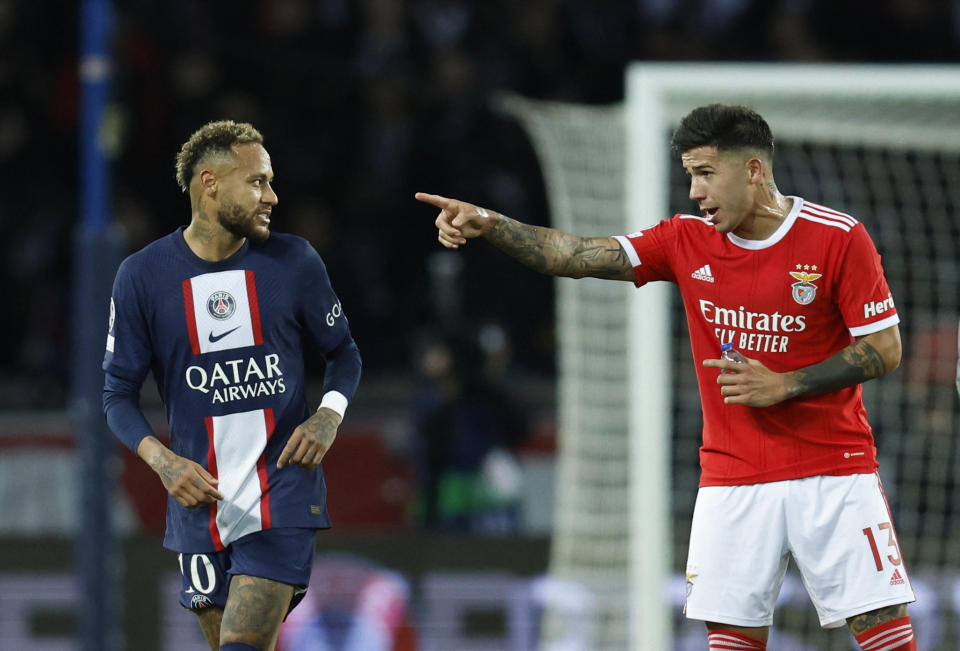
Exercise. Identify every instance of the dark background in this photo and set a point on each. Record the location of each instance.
(362, 103)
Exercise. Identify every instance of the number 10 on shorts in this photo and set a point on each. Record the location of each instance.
(894, 558)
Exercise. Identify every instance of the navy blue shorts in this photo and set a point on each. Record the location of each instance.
(284, 555)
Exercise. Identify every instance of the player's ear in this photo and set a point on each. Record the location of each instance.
(754, 169)
(208, 183)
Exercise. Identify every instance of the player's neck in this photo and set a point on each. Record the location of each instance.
(766, 217)
(210, 242)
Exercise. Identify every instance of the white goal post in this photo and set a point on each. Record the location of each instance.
(882, 142)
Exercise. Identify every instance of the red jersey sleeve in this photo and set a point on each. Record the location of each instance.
(650, 251)
(863, 296)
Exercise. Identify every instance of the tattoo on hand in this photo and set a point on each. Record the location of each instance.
(320, 426)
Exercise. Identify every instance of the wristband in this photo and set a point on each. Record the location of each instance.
(334, 400)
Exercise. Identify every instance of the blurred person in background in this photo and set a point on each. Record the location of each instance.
(362, 607)
(220, 311)
(788, 458)
(466, 426)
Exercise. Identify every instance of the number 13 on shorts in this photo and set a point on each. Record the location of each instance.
(884, 531)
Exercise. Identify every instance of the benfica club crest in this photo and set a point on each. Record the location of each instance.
(221, 305)
(804, 291)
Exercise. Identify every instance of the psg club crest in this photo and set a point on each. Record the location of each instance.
(804, 291)
(221, 305)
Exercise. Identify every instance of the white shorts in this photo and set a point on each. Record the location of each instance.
(838, 529)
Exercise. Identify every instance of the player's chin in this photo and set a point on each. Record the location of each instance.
(258, 233)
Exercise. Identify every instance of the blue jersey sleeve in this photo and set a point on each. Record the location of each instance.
(127, 359)
(328, 326)
(129, 352)
(121, 404)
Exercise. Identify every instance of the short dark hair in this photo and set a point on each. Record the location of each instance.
(212, 138)
(725, 127)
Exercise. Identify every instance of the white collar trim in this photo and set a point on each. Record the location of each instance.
(777, 235)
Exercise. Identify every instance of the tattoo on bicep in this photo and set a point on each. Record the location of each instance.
(865, 357)
(595, 257)
(856, 363)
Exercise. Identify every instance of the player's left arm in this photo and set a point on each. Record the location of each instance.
(312, 439)
(754, 385)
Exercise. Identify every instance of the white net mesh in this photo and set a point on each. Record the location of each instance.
(887, 153)
(584, 174)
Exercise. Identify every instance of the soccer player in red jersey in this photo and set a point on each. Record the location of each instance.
(788, 460)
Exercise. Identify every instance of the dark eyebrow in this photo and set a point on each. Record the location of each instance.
(699, 168)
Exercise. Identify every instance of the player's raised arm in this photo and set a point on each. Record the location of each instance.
(546, 250)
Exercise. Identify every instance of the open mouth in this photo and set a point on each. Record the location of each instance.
(711, 214)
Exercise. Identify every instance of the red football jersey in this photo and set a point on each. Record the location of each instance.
(789, 301)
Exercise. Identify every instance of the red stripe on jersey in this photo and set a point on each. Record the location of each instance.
(262, 472)
(254, 308)
(191, 318)
(212, 467)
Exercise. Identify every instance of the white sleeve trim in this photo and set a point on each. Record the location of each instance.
(876, 326)
(334, 400)
(628, 248)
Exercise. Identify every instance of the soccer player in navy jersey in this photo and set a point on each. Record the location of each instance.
(788, 458)
(220, 310)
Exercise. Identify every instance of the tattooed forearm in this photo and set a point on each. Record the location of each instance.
(864, 622)
(556, 253)
(856, 363)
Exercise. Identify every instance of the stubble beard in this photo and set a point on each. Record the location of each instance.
(242, 224)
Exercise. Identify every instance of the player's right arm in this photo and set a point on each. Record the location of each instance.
(546, 250)
(126, 363)
(187, 481)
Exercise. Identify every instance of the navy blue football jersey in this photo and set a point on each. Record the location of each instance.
(225, 341)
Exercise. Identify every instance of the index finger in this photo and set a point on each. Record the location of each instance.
(289, 448)
(723, 364)
(208, 492)
(434, 200)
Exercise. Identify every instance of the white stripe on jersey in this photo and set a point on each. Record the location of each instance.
(823, 211)
(627, 246)
(820, 220)
(238, 442)
(234, 331)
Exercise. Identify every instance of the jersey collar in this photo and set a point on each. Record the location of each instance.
(777, 235)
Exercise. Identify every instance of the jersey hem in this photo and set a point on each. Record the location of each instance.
(836, 620)
(769, 479)
(167, 544)
(693, 613)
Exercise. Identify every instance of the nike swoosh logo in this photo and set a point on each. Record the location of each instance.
(215, 338)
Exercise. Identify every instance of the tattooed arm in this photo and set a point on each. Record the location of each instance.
(754, 385)
(311, 439)
(187, 481)
(546, 250)
(867, 358)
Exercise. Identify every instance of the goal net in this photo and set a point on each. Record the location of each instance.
(879, 142)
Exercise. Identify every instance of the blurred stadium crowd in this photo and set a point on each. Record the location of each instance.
(362, 102)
